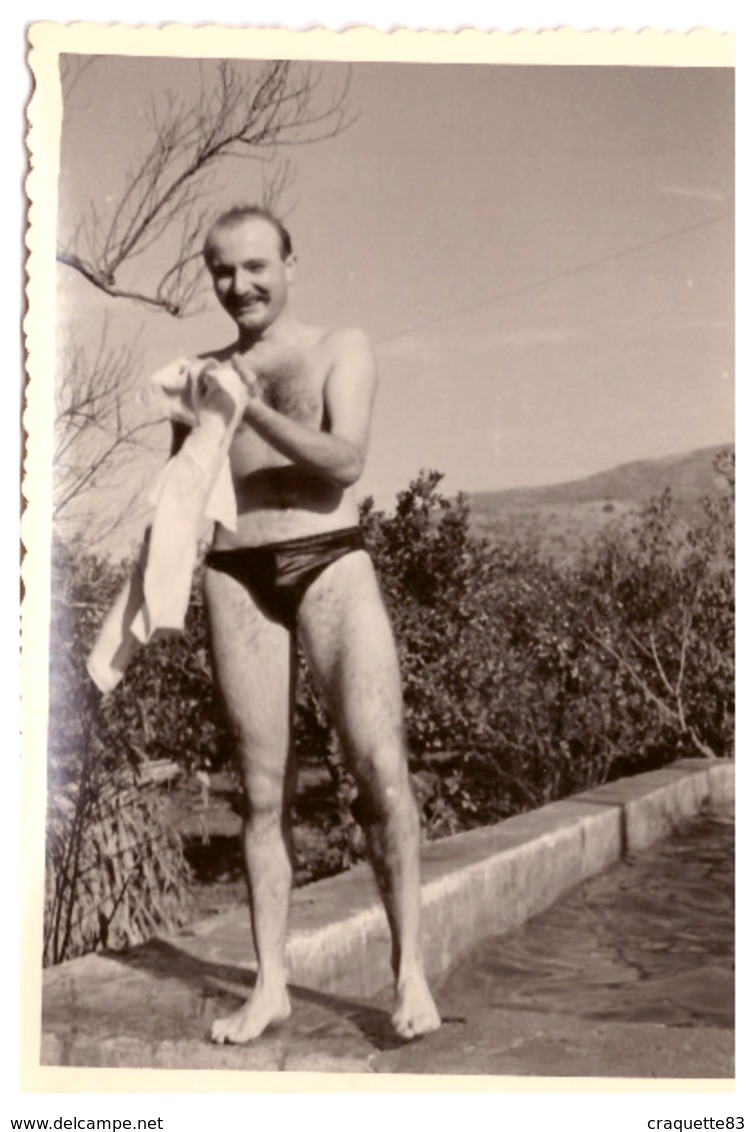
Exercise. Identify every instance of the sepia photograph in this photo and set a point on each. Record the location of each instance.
(387, 405)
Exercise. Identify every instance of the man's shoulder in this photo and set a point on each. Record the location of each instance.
(347, 342)
(347, 334)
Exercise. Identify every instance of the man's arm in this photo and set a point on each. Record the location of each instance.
(337, 455)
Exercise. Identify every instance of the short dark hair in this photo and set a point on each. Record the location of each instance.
(239, 214)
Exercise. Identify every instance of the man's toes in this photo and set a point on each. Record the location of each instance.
(404, 1026)
(411, 1025)
(222, 1030)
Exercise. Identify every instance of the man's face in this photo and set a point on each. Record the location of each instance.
(251, 280)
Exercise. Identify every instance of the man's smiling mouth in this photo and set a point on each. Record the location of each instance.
(248, 304)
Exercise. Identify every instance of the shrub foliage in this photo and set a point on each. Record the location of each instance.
(524, 681)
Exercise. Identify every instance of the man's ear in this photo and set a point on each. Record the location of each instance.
(291, 264)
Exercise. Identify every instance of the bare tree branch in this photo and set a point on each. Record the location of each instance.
(659, 667)
(246, 112)
(98, 433)
(674, 715)
(243, 115)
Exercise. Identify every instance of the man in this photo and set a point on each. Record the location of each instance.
(296, 570)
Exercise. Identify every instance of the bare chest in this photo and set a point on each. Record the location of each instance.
(295, 390)
(292, 384)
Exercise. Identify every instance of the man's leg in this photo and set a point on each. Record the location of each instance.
(348, 641)
(254, 670)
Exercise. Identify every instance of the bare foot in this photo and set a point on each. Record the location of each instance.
(263, 1009)
(415, 1012)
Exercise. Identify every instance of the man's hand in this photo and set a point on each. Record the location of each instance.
(335, 453)
(247, 375)
(210, 394)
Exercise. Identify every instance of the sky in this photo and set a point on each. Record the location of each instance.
(542, 256)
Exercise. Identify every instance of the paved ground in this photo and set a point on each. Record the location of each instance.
(161, 1002)
(152, 1007)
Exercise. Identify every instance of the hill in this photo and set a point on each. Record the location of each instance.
(561, 517)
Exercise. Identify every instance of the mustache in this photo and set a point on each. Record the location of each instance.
(246, 300)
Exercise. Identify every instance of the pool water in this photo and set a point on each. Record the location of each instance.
(650, 940)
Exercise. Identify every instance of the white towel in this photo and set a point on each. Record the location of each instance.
(195, 485)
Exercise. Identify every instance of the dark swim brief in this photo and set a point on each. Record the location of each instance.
(279, 574)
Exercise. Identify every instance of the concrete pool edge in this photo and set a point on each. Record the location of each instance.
(490, 880)
(475, 884)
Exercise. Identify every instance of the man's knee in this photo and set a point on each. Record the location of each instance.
(263, 798)
(382, 775)
(263, 773)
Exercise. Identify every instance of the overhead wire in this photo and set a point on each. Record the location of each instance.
(565, 274)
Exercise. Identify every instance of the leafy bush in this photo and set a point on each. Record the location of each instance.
(657, 603)
(115, 870)
(523, 683)
(545, 681)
